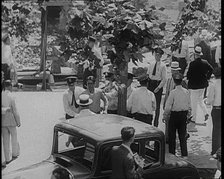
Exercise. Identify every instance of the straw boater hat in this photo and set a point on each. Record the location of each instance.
(198, 50)
(175, 66)
(71, 80)
(84, 100)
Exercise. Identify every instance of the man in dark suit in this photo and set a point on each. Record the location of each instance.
(198, 74)
(123, 163)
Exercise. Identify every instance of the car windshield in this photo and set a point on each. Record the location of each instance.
(76, 148)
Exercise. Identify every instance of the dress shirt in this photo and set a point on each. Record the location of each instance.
(141, 101)
(111, 92)
(85, 112)
(130, 89)
(178, 100)
(7, 54)
(71, 110)
(214, 93)
(218, 53)
(184, 52)
(96, 97)
(160, 73)
(129, 149)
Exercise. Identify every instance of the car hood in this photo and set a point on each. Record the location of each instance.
(172, 161)
(43, 170)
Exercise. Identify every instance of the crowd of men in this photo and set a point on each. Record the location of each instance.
(187, 88)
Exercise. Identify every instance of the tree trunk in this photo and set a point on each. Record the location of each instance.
(44, 46)
(122, 92)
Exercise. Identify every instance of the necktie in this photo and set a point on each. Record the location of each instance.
(73, 100)
(154, 69)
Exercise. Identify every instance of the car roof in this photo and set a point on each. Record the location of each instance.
(105, 127)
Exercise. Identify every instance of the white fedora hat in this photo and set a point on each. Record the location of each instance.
(198, 50)
(175, 66)
(84, 100)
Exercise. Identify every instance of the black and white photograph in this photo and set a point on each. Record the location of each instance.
(111, 89)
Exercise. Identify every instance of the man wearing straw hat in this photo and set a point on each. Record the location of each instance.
(170, 85)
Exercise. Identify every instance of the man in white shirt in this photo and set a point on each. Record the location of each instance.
(157, 79)
(218, 55)
(70, 96)
(214, 99)
(142, 102)
(177, 109)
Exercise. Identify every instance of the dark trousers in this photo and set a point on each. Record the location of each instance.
(177, 123)
(146, 118)
(152, 85)
(68, 116)
(216, 130)
(182, 63)
(6, 71)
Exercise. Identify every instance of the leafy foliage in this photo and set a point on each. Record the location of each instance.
(195, 15)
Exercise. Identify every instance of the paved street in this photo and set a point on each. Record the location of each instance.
(39, 112)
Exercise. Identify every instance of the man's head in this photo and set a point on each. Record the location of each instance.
(91, 41)
(177, 78)
(197, 52)
(128, 134)
(143, 80)
(5, 38)
(175, 68)
(60, 173)
(158, 53)
(71, 81)
(91, 83)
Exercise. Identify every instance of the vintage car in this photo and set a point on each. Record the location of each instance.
(88, 153)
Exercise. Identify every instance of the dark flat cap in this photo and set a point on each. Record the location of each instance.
(159, 50)
(143, 77)
(71, 79)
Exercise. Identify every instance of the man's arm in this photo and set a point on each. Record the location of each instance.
(210, 70)
(168, 106)
(130, 171)
(102, 96)
(164, 74)
(15, 112)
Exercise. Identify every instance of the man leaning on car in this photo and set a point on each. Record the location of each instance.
(123, 162)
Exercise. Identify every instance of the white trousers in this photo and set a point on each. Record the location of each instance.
(197, 99)
(7, 133)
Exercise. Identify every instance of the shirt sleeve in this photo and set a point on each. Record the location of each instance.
(129, 102)
(168, 105)
(163, 81)
(102, 96)
(153, 102)
(15, 111)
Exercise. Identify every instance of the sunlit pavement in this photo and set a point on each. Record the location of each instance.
(40, 111)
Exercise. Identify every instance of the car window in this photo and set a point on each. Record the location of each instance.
(76, 148)
(152, 151)
(106, 154)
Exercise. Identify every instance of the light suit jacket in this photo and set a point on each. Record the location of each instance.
(12, 118)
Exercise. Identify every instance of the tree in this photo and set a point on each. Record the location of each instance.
(125, 29)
